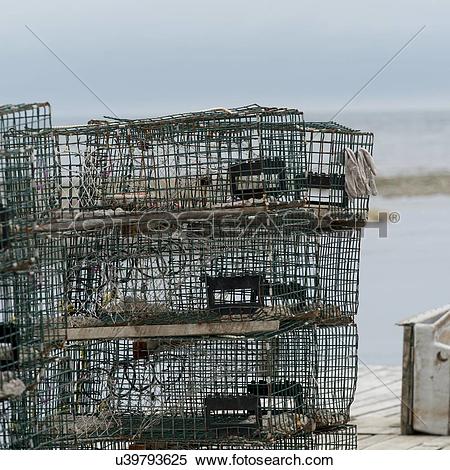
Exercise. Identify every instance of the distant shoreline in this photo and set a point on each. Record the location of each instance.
(414, 185)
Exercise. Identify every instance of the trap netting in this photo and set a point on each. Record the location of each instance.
(334, 438)
(28, 171)
(171, 205)
(27, 181)
(30, 263)
(327, 169)
(190, 227)
(199, 160)
(265, 390)
(226, 158)
(271, 270)
(25, 117)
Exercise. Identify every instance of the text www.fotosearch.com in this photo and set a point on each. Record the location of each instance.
(237, 460)
(244, 460)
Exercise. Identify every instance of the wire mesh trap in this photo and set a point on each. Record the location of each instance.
(189, 161)
(269, 272)
(195, 219)
(334, 438)
(28, 171)
(28, 261)
(326, 143)
(247, 156)
(254, 390)
(25, 117)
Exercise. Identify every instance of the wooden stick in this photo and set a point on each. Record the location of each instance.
(90, 221)
(164, 331)
(80, 223)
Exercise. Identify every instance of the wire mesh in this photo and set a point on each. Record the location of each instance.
(30, 263)
(28, 164)
(253, 389)
(191, 161)
(252, 273)
(325, 176)
(335, 438)
(24, 117)
(194, 218)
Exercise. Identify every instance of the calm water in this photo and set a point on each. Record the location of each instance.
(404, 274)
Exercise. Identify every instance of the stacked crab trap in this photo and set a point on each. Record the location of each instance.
(184, 282)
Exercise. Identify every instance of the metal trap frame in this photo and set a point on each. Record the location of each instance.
(269, 272)
(259, 388)
(188, 281)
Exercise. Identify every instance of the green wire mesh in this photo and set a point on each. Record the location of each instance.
(191, 218)
(30, 263)
(325, 176)
(191, 161)
(267, 272)
(254, 390)
(335, 438)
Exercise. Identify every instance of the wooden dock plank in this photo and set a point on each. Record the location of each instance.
(377, 385)
(396, 442)
(383, 395)
(376, 407)
(378, 425)
(376, 412)
(372, 440)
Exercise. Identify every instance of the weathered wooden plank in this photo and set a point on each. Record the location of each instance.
(373, 440)
(376, 407)
(391, 412)
(378, 379)
(372, 387)
(425, 447)
(381, 414)
(362, 437)
(372, 424)
(384, 397)
(433, 442)
(372, 431)
(380, 394)
(415, 441)
(155, 331)
(390, 390)
(379, 420)
(394, 443)
(93, 221)
(407, 380)
(380, 368)
(383, 404)
(390, 371)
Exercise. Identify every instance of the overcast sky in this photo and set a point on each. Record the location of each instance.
(152, 57)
